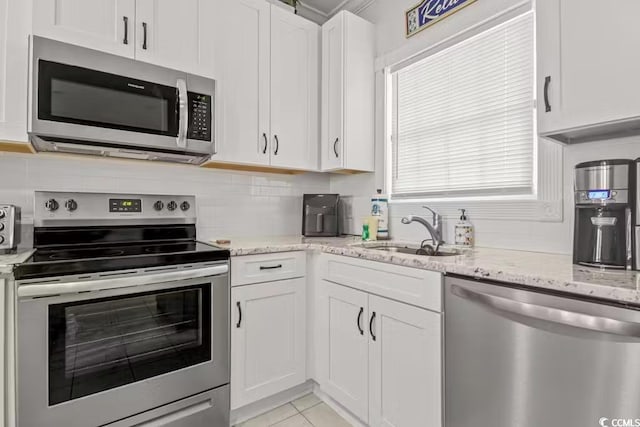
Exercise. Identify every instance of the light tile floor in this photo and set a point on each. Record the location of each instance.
(307, 411)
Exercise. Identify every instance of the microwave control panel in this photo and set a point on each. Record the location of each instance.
(199, 116)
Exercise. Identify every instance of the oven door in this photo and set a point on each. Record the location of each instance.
(104, 355)
(83, 96)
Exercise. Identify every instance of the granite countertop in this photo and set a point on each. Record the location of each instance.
(534, 269)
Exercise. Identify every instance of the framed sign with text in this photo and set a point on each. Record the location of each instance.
(428, 12)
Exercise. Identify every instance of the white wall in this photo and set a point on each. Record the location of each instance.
(230, 204)
(392, 46)
(388, 15)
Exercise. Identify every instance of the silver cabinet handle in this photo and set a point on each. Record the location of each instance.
(335, 147)
(550, 314)
(266, 143)
(359, 319)
(183, 109)
(277, 145)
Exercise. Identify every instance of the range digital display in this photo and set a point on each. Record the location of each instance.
(125, 205)
(599, 195)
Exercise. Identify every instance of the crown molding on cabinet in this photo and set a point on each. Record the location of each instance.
(353, 6)
(304, 5)
(358, 6)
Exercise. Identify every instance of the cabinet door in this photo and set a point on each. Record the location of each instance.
(405, 365)
(174, 34)
(15, 24)
(548, 63)
(241, 57)
(343, 344)
(267, 339)
(104, 25)
(332, 139)
(295, 50)
(596, 72)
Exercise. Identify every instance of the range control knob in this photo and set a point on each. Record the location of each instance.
(2, 214)
(158, 205)
(1, 240)
(172, 206)
(52, 205)
(185, 206)
(71, 205)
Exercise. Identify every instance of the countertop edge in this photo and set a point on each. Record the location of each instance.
(591, 290)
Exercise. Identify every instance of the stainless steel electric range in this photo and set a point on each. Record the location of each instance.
(122, 316)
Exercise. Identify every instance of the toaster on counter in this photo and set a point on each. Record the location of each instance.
(9, 227)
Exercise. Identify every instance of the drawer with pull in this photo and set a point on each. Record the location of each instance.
(250, 269)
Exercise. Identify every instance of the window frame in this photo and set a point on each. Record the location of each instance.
(546, 201)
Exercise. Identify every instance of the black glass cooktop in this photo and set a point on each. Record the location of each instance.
(76, 259)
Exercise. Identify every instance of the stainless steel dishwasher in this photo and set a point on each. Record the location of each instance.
(516, 358)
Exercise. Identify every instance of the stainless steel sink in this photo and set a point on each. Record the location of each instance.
(427, 251)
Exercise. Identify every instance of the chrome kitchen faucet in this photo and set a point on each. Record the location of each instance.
(434, 229)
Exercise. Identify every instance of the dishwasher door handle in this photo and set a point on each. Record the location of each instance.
(550, 314)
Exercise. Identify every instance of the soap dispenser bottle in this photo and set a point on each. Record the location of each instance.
(464, 231)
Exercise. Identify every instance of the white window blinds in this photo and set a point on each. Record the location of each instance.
(463, 118)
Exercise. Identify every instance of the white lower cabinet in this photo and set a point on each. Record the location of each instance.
(379, 358)
(268, 339)
(405, 365)
(376, 329)
(344, 346)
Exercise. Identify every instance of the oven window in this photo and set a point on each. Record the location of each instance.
(82, 96)
(106, 343)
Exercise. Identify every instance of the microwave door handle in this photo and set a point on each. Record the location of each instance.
(183, 113)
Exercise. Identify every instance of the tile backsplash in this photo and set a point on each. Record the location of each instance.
(540, 236)
(230, 204)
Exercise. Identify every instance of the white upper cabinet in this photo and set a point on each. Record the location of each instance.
(242, 66)
(105, 25)
(15, 24)
(295, 95)
(267, 74)
(176, 34)
(348, 87)
(587, 69)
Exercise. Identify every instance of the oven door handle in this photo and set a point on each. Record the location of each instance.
(183, 113)
(51, 289)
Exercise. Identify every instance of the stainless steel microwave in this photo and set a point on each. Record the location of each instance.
(84, 101)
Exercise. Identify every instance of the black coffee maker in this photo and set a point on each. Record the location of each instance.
(605, 214)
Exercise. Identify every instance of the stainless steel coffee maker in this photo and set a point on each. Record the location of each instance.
(605, 214)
